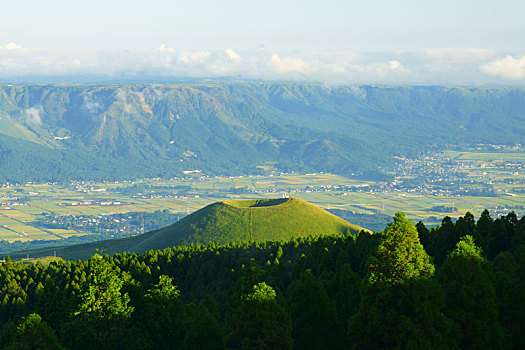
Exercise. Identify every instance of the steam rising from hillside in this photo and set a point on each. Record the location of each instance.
(33, 116)
(91, 104)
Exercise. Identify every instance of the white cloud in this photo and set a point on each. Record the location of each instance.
(91, 103)
(336, 68)
(508, 68)
(394, 65)
(289, 64)
(122, 97)
(458, 56)
(13, 46)
(379, 70)
(164, 48)
(232, 54)
(32, 116)
(195, 56)
(444, 66)
(200, 55)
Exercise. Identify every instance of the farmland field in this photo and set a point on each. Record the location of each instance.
(488, 157)
(22, 206)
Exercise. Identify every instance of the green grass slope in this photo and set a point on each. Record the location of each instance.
(253, 220)
(222, 222)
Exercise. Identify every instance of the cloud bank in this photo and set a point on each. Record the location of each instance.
(506, 68)
(470, 66)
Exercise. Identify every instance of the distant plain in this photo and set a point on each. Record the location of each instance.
(21, 206)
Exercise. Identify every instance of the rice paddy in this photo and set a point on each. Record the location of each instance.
(21, 206)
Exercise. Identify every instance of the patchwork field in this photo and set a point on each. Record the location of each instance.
(487, 157)
(22, 206)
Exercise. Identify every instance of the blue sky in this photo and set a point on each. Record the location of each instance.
(406, 42)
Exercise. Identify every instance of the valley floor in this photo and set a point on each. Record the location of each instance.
(427, 188)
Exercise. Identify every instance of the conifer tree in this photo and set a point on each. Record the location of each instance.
(314, 319)
(424, 235)
(400, 305)
(518, 240)
(470, 297)
(482, 228)
(34, 333)
(53, 304)
(103, 299)
(400, 255)
(101, 318)
(509, 284)
(203, 330)
(259, 322)
(160, 314)
(344, 287)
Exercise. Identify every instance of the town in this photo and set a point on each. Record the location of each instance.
(427, 187)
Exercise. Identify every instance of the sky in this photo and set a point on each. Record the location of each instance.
(445, 42)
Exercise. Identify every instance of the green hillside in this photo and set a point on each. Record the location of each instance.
(110, 132)
(255, 220)
(221, 222)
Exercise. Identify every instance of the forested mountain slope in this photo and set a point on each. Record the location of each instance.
(456, 286)
(59, 132)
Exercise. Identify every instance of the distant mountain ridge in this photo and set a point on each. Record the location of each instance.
(221, 223)
(60, 132)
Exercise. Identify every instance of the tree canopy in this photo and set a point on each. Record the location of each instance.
(364, 291)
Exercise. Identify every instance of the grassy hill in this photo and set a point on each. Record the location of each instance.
(221, 222)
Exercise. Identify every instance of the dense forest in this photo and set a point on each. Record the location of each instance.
(457, 286)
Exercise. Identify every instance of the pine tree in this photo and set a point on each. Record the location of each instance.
(400, 255)
(314, 318)
(160, 314)
(401, 305)
(103, 314)
(33, 333)
(103, 299)
(259, 322)
(470, 297)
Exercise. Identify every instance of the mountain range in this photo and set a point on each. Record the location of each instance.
(104, 132)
